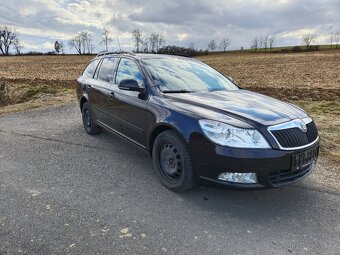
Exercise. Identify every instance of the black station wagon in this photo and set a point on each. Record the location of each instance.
(198, 125)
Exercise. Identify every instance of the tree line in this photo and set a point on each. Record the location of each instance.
(262, 42)
(147, 43)
(83, 43)
(335, 39)
(155, 43)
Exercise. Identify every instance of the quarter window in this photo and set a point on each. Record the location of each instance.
(128, 69)
(106, 69)
(91, 68)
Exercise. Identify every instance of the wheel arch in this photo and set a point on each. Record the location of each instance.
(82, 101)
(161, 127)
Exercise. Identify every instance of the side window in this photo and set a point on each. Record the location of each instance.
(106, 69)
(128, 69)
(91, 68)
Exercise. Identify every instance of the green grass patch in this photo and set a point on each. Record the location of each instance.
(320, 107)
(36, 91)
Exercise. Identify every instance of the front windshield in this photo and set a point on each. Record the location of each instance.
(186, 75)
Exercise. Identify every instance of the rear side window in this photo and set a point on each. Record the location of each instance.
(91, 68)
(128, 69)
(106, 69)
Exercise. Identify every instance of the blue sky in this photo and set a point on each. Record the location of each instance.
(41, 22)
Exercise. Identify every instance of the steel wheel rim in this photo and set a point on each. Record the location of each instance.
(170, 162)
(87, 118)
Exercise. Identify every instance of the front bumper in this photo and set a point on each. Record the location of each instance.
(274, 168)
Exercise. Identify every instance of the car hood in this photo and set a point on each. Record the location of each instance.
(242, 104)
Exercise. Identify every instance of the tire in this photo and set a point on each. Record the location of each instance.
(172, 161)
(88, 121)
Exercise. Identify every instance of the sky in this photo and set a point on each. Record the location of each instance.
(41, 22)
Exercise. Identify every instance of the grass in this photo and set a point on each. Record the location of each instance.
(35, 92)
(27, 95)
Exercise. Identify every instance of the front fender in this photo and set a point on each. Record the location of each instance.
(165, 119)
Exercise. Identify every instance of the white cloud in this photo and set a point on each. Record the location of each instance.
(298, 33)
(179, 21)
(29, 11)
(182, 36)
(39, 32)
(46, 46)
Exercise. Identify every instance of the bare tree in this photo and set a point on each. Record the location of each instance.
(17, 46)
(265, 42)
(308, 39)
(212, 45)
(137, 36)
(337, 39)
(8, 37)
(82, 43)
(255, 43)
(153, 40)
(83, 38)
(261, 41)
(271, 42)
(88, 42)
(76, 43)
(91, 48)
(62, 48)
(161, 42)
(145, 44)
(332, 39)
(224, 44)
(106, 39)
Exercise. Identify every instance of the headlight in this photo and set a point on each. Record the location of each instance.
(227, 135)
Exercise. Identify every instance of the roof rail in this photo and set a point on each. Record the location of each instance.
(103, 53)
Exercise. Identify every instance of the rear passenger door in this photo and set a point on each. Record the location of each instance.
(87, 80)
(103, 78)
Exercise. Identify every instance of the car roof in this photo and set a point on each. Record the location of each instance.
(148, 55)
(139, 55)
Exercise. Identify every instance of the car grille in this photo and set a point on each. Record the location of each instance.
(294, 137)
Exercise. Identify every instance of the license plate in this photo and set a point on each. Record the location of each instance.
(304, 158)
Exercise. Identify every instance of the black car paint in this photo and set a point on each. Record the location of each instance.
(139, 117)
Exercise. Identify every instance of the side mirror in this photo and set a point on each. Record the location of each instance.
(130, 85)
(231, 79)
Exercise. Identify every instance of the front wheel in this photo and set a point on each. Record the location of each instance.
(88, 121)
(172, 161)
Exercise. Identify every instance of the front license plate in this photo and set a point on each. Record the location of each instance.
(304, 158)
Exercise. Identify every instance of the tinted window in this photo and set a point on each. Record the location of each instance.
(185, 74)
(128, 69)
(106, 69)
(89, 71)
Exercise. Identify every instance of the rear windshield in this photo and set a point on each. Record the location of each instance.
(176, 74)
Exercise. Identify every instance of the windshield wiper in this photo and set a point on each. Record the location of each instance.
(177, 91)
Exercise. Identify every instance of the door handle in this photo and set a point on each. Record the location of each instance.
(112, 95)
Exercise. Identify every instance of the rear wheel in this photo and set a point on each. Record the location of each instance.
(88, 121)
(172, 161)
